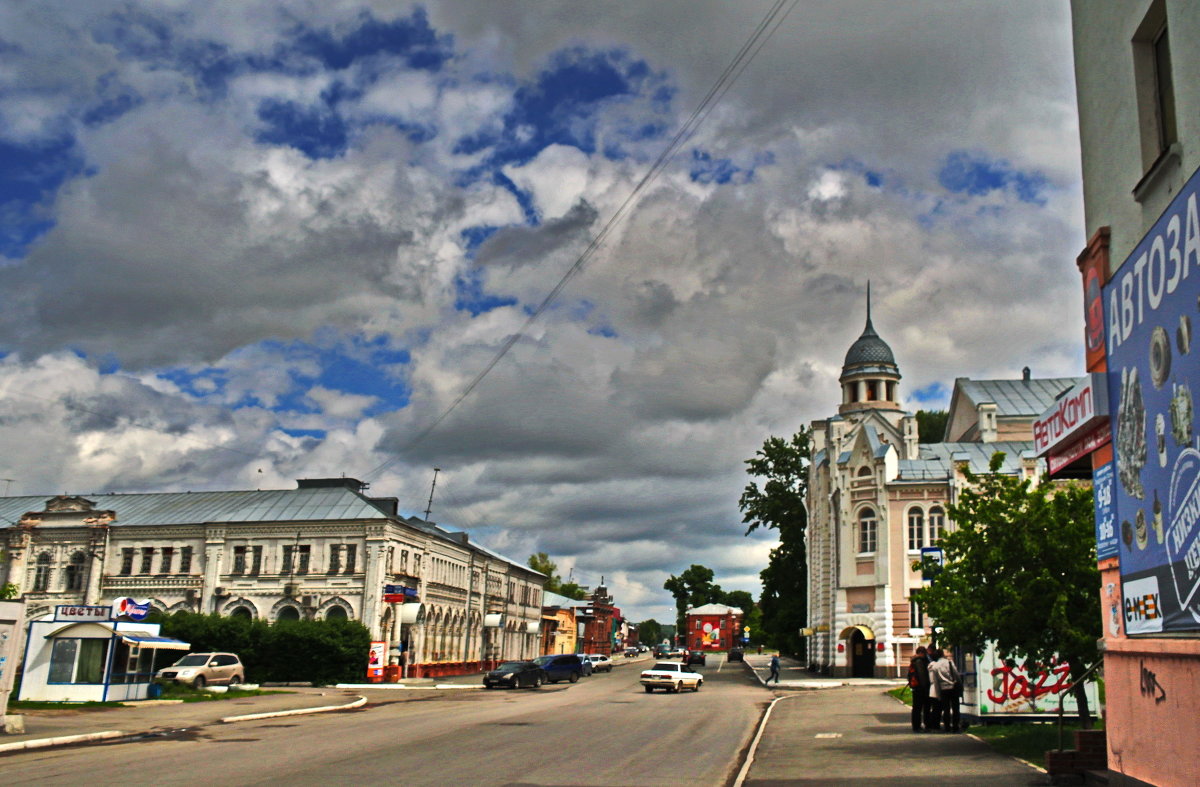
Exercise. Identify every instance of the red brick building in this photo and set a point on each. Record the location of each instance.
(713, 627)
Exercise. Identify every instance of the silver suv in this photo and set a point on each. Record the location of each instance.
(202, 669)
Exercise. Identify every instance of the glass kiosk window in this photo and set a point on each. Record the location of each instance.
(78, 660)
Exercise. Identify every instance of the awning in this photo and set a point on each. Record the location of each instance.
(493, 620)
(866, 632)
(532, 627)
(159, 643)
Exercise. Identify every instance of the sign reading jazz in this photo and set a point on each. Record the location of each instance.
(1150, 305)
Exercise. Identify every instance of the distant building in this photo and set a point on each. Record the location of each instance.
(1139, 127)
(713, 627)
(560, 631)
(877, 496)
(322, 550)
(600, 619)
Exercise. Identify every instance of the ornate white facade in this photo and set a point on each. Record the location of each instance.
(323, 550)
(877, 496)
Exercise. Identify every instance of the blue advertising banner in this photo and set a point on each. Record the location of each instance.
(1149, 306)
(1106, 519)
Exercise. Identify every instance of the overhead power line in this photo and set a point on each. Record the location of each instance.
(749, 51)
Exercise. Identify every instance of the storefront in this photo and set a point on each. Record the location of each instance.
(83, 654)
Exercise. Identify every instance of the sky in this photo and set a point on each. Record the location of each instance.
(246, 243)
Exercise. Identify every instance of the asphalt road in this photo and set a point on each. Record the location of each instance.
(602, 730)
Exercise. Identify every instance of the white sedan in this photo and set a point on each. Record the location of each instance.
(600, 662)
(671, 676)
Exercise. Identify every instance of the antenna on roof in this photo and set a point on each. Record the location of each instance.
(433, 486)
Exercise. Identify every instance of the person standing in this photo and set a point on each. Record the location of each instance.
(945, 679)
(774, 669)
(918, 681)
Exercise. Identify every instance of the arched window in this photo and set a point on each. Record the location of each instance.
(864, 470)
(868, 527)
(336, 613)
(242, 613)
(937, 525)
(75, 571)
(288, 613)
(916, 529)
(41, 576)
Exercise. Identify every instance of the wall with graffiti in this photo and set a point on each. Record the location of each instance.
(1016, 687)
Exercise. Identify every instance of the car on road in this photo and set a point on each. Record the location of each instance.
(514, 675)
(736, 654)
(205, 669)
(696, 657)
(677, 653)
(565, 666)
(671, 676)
(600, 662)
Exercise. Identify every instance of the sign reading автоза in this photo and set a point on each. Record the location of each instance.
(1150, 305)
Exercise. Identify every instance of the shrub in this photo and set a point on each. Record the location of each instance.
(320, 651)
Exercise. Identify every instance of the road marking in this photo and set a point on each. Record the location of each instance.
(828, 735)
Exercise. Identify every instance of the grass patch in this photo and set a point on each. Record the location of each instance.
(1029, 741)
(176, 691)
(904, 694)
(32, 705)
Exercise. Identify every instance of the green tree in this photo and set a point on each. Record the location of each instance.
(931, 425)
(650, 632)
(692, 588)
(780, 504)
(1020, 571)
(542, 563)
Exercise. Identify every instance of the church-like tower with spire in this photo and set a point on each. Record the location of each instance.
(877, 496)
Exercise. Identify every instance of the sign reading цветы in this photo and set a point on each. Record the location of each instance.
(1150, 305)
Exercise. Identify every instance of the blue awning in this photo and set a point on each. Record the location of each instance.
(147, 641)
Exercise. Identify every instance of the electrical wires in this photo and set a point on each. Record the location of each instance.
(749, 51)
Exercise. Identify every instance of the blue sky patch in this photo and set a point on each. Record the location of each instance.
(29, 176)
(319, 434)
(976, 175)
(409, 38)
(469, 295)
(473, 238)
(934, 392)
(317, 131)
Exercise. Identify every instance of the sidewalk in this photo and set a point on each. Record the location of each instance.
(859, 735)
(794, 675)
(81, 725)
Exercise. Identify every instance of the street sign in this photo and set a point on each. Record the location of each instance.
(746, 630)
(400, 590)
(394, 598)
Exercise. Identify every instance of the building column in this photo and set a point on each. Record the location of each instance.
(214, 551)
(18, 556)
(375, 555)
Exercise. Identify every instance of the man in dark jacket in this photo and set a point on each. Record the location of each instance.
(918, 681)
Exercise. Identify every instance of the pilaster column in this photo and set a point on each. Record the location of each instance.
(214, 553)
(97, 558)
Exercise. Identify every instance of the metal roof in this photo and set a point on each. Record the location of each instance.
(177, 508)
(937, 459)
(1028, 398)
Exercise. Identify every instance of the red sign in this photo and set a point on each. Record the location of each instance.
(1090, 442)
(1076, 411)
(393, 598)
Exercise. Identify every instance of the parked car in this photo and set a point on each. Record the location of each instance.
(566, 666)
(736, 654)
(629, 652)
(671, 676)
(514, 675)
(677, 653)
(695, 657)
(600, 662)
(203, 669)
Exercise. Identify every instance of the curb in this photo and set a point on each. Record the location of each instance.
(65, 740)
(394, 686)
(358, 703)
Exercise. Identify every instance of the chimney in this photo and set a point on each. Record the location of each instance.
(1025, 374)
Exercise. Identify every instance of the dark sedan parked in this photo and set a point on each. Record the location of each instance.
(515, 674)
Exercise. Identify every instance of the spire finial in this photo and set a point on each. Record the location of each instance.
(869, 304)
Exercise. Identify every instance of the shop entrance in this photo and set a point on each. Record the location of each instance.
(862, 654)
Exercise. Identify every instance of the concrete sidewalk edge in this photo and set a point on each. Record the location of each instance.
(63, 740)
(358, 703)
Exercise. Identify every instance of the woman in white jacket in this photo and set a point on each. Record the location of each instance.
(944, 682)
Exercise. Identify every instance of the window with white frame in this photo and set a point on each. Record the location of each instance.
(868, 531)
(937, 525)
(916, 529)
(916, 618)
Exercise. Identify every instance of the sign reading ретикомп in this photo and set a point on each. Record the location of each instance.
(1150, 304)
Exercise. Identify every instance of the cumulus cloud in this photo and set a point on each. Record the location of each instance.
(279, 240)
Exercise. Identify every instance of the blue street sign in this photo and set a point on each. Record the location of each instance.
(399, 589)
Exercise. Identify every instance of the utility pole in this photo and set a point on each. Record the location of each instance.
(433, 486)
